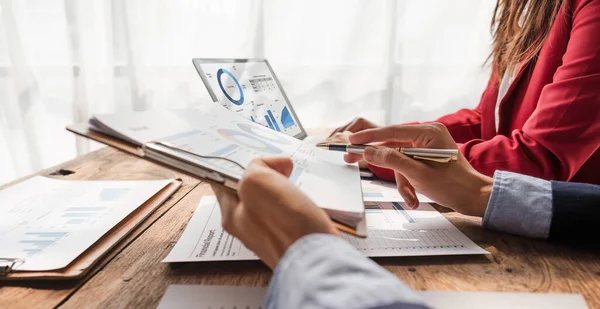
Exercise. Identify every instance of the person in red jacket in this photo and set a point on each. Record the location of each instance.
(540, 112)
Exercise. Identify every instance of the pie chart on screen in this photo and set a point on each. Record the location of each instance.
(230, 86)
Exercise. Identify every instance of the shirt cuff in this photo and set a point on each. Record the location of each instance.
(520, 205)
(324, 271)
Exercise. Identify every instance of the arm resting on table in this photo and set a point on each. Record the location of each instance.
(532, 207)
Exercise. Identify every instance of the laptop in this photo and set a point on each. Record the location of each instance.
(250, 88)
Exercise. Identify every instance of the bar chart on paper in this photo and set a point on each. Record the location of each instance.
(52, 225)
(396, 231)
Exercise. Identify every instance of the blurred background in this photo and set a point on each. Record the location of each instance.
(389, 61)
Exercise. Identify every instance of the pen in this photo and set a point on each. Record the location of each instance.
(430, 154)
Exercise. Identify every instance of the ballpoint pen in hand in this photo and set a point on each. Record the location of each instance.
(429, 154)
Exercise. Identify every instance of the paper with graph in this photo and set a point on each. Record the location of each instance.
(211, 140)
(48, 223)
(393, 231)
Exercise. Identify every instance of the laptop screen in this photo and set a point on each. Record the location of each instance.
(250, 88)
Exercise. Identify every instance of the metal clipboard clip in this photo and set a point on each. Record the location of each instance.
(7, 264)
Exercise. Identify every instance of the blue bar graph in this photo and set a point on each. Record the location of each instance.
(85, 208)
(37, 242)
(403, 212)
(31, 252)
(269, 122)
(273, 120)
(47, 234)
(76, 221)
(79, 215)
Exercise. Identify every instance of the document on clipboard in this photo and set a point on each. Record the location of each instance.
(212, 143)
(57, 229)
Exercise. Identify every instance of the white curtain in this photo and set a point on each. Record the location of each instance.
(390, 61)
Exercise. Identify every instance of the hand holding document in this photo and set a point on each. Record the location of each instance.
(268, 214)
(213, 143)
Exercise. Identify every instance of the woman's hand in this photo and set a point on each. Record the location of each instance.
(340, 135)
(356, 125)
(456, 185)
(268, 213)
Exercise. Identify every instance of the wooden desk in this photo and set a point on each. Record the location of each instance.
(133, 277)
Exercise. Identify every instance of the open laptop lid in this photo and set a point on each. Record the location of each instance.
(250, 88)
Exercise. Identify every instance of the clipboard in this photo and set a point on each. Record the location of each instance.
(102, 248)
(84, 130)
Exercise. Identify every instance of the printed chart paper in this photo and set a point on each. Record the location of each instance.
(393, 231)
(48, 222)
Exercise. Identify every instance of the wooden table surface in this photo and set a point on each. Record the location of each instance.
(132, 276)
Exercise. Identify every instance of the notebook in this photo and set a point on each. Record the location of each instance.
(214, 144)
(58, 229)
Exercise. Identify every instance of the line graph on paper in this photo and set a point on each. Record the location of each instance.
(395, 230)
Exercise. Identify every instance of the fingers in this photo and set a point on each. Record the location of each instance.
(407, 191)
(265, 177)
(282, 165)
(401, 133)
(352, 157)
(421, 135)
(228, 202)
(358, 124)
(393, 159)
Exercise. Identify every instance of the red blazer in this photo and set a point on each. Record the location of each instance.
(549, 123)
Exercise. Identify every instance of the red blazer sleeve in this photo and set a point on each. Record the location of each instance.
(464, 125)
(564, 129)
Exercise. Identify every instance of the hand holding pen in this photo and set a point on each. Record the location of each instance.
(468, 189)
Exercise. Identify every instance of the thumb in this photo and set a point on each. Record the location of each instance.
(283, 165)
(392, 159)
